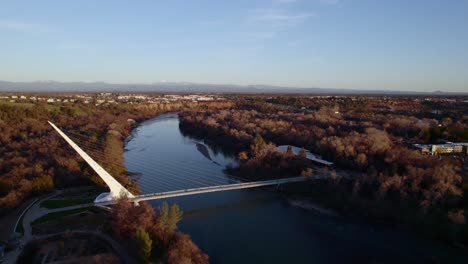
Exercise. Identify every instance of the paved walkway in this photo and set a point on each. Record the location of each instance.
(35, 212)
(12, 256)
(8, 221)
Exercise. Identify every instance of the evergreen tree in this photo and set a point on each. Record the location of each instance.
(259, 142)
(175, 215)
(303, 153)
(144, 244)
(169, 216)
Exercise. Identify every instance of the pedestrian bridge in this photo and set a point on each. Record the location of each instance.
(185, 192)
(117, 191)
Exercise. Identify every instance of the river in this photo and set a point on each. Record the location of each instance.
(257, 225)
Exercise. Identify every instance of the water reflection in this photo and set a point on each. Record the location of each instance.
(257, 225)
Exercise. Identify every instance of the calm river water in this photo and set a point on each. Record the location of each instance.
(257, 225)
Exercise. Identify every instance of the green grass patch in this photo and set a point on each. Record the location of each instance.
(57, 215)
(52, 107)
(82, 193)
(77, 111)
(92, 219)
(53, 204)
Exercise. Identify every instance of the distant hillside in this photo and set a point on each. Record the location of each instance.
(183, 87)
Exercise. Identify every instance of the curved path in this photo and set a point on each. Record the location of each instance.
(36, 211)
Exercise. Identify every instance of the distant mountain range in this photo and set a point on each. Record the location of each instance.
(185, 87)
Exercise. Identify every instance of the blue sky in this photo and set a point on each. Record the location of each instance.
(419, 45)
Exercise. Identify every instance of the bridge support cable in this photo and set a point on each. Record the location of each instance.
(227, 187)
(98, 148)
(117, 190)
(175, 182)
(188, 177)
(187, 181)
(175, 179)
(95, 150)
(193, 191)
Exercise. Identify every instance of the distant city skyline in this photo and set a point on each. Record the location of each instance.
(370, 45)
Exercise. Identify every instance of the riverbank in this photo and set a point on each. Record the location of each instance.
(45, 161)
(257, 222)
(46, 217)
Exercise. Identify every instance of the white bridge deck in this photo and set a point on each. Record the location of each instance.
(226, 187)
(219, 188)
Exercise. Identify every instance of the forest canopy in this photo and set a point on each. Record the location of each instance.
(34, 159)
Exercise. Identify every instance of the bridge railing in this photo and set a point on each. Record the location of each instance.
(226, 186)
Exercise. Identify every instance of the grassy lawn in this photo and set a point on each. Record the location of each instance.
(93, 219)
(56, 215)
(82, 193)
(53, 204)
(52, 107)
(78, 111)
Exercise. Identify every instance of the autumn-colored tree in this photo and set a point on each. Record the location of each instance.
(43, 183)
(308, 172)
(243, 155)
(124, 221)
(369, 136)
(259, 143)
(183, 250)
(34, 158)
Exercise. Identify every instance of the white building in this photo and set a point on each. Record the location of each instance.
(309, 155)
(447, 148)
(204, 98)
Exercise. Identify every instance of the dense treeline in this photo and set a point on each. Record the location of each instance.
(392, 167)
(153, 235)
(374, 143)
(263, 161)
(409, 117)
(35, 159)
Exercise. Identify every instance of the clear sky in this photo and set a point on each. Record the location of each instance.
(419, 45)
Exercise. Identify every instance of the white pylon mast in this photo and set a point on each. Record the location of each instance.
(116, 189)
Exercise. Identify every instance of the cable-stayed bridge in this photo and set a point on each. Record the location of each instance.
(118, 191)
